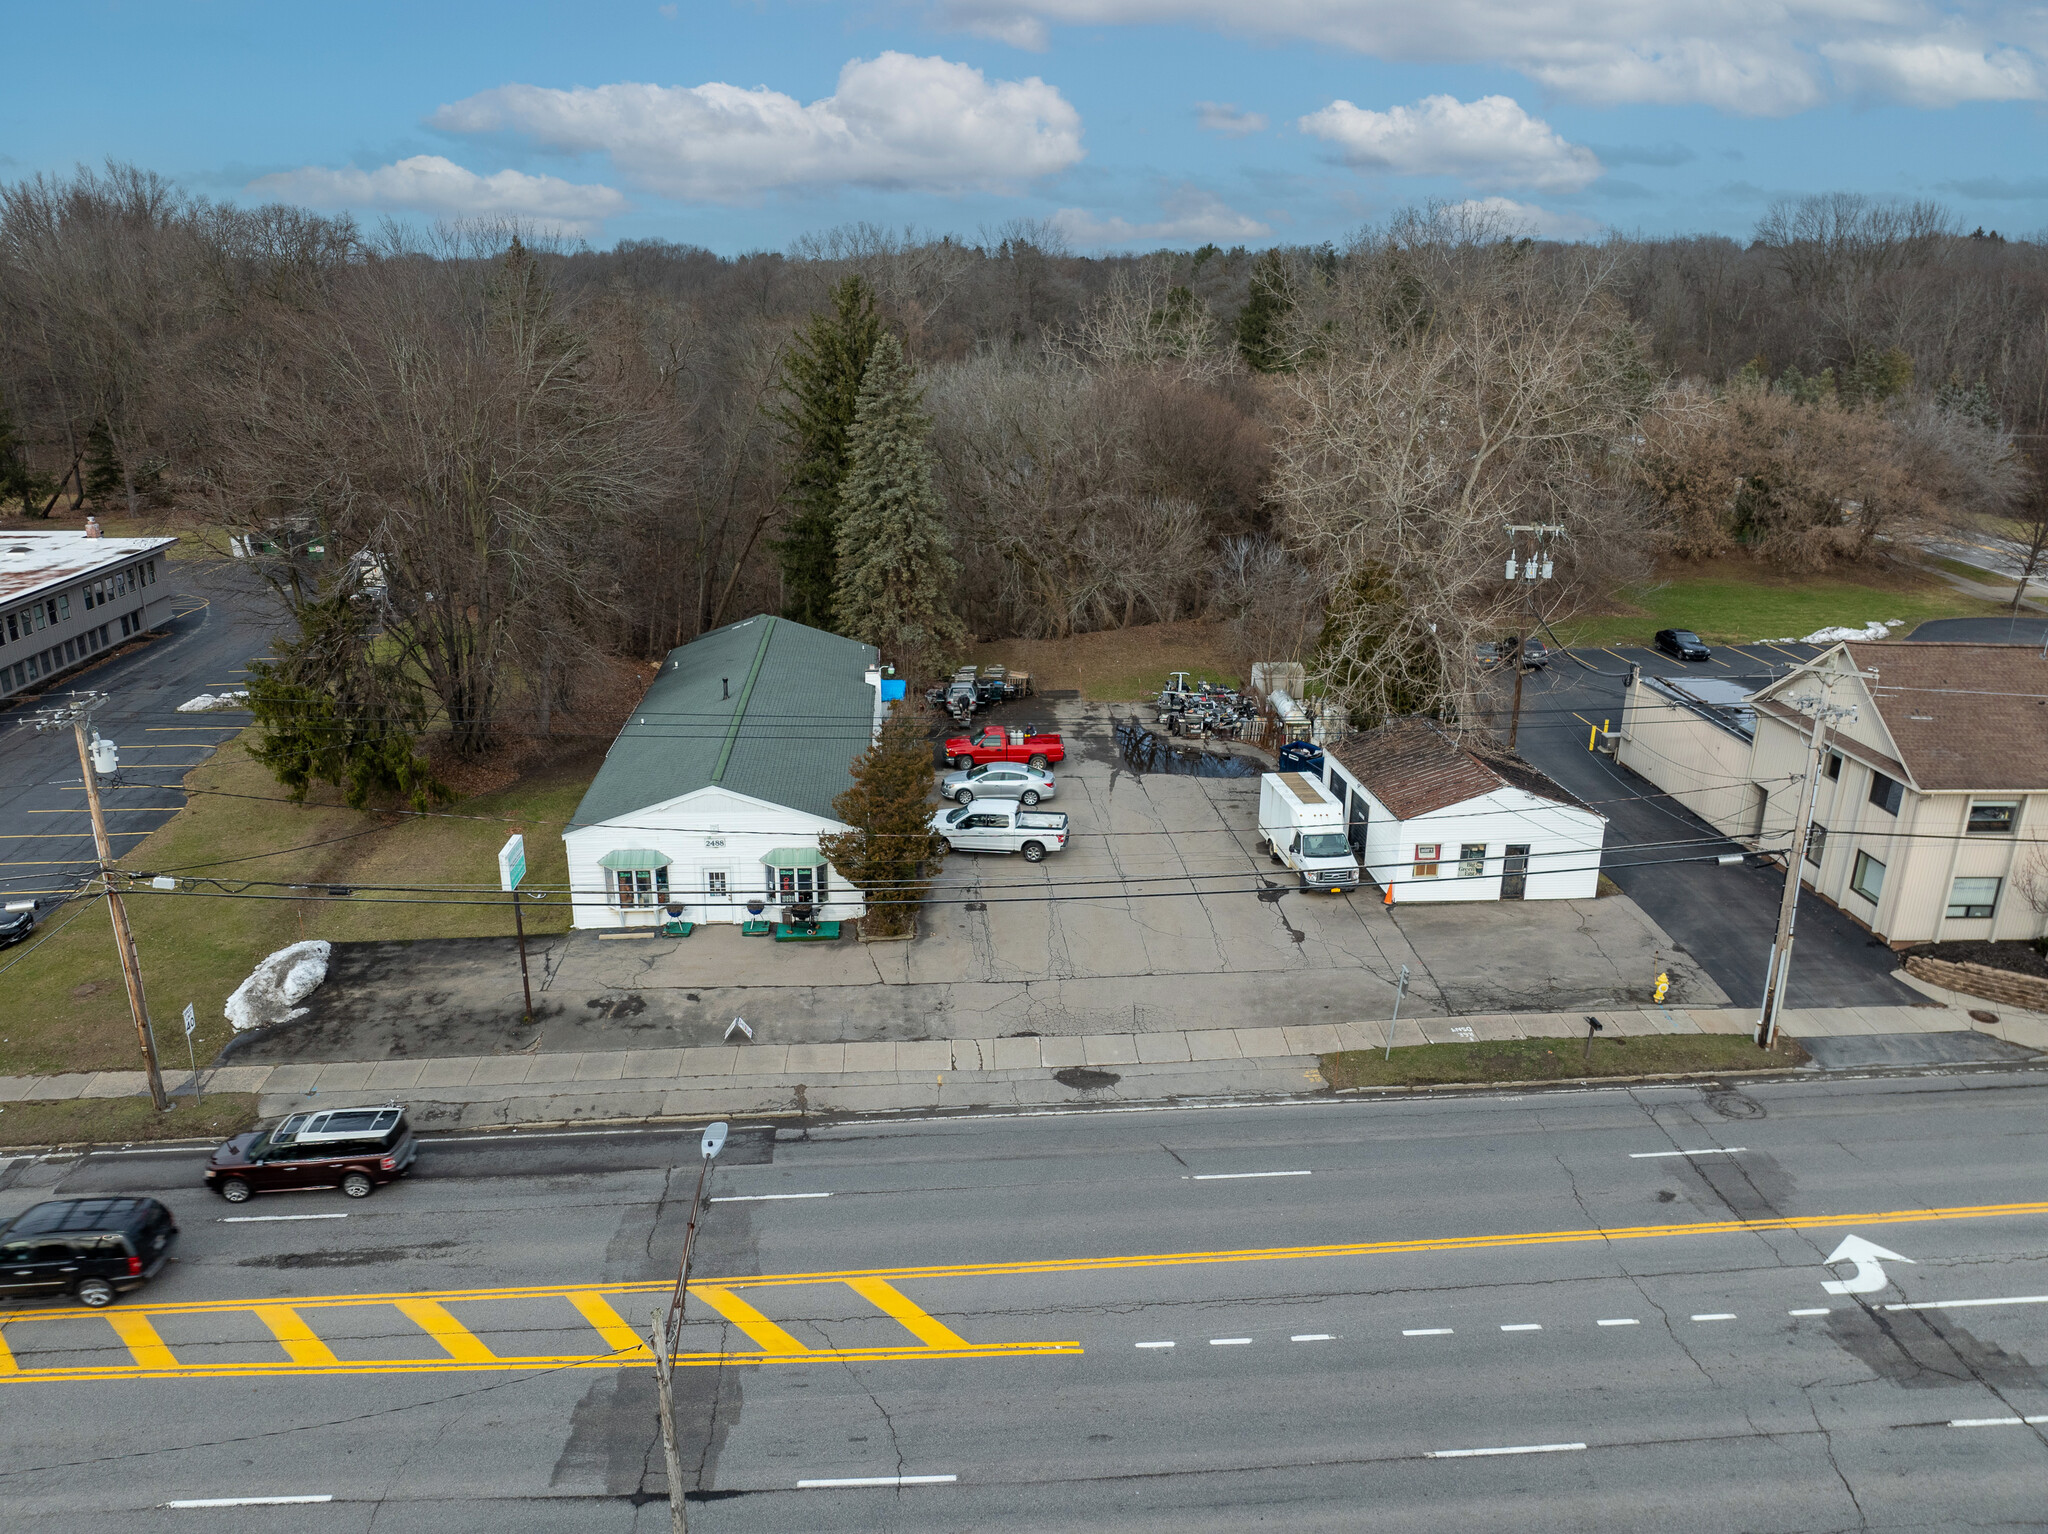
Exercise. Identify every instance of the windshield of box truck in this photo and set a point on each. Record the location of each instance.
(1325, 844)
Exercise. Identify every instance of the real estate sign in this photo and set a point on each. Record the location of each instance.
(512, 863)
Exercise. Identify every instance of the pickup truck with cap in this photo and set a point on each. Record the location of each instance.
(996, 744)
(986, 825)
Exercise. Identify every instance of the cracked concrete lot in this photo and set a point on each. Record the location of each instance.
(1160, 914)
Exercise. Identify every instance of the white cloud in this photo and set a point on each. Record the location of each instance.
(426, 183)
(1511, 217)
(1933, 71)
(894, 121)
(1757, 57)
(1488, 142)
(1221, 117)
(1192, 217)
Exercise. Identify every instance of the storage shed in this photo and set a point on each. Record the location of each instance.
(1437, 820)
(718, 787)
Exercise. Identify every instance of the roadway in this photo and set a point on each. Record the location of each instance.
(1557, 1310)
(222, 619)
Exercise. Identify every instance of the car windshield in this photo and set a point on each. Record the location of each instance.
(977, 772)
(953, 819)
(1325, 844)
(1685, 636)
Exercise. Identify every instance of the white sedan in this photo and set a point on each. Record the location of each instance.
(998, 780)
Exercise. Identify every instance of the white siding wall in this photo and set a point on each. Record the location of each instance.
(1564, 848)
(1697, 762)
(746, 830)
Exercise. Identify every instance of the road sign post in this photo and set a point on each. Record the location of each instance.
(511, 871)
(191, 1024)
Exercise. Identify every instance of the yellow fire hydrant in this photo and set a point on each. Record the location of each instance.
(1663, 987)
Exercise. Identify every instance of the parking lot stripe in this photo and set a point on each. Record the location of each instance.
(884, 1296)
(299, 1341)
(757, 1328)
(432, 1317)
(141, 1340)
(608, 1324)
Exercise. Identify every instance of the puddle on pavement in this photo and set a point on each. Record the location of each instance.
(1142, 751)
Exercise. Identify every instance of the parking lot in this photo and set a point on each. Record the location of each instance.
(1159, 914)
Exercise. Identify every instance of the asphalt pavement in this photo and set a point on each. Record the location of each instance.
(223, 618)
(1661, 853)
(1554, 1310)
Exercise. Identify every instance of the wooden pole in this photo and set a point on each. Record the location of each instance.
(124, 939)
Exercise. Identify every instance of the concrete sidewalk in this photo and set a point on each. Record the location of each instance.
(766, 1077)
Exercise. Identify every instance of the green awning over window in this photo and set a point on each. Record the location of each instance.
(634, 857)
(794, 857)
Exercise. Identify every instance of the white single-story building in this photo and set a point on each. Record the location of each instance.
(1435, 819)
(718, 787)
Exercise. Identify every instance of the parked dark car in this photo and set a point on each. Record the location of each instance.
(17, 922)
(1683, 643)
(354, 1149)
(1535, 654)
(93, 1248)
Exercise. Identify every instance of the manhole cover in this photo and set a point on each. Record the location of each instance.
(1983, 1017)
(1084, 1079)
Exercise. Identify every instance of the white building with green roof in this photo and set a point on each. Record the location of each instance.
(711, 801)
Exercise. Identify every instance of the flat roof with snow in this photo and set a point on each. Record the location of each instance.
(39, 560)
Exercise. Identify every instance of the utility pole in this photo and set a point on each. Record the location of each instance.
(77, 714)
(1537, 568)
(666, 1336)
(1778, 975)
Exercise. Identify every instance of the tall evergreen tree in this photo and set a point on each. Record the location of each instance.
(895, 555)
(891, 853)
(821, 391)
(1261, 323)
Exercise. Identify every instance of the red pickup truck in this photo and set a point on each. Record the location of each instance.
(999, 745)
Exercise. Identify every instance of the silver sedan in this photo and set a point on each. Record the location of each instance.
(998, 780)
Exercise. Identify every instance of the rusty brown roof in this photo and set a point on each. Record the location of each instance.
(1414, 768)
(1964, 716)
(43, 559)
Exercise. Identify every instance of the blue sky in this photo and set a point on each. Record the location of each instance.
(742, 124)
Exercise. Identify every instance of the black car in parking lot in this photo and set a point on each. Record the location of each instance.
(17, 921)
(94, 1248)
(1683, 643)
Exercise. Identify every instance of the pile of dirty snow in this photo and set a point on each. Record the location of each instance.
(275, 988)
(1875, 629)
(209, 702)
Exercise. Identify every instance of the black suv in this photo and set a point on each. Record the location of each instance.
(353, 1149)
(94, 1248)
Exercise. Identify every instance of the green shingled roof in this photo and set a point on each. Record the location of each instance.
(767, 708)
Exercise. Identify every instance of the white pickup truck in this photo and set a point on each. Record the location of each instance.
(990, 826)
(1302, 826)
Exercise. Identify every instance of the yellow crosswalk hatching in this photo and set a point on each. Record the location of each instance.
(293, 1323)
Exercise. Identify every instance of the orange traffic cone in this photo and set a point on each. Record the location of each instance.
(1390, 896)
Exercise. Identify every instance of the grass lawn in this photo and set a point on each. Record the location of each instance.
(1116, 665)
(1436, 1065)
(65, 1007)
(124, 1120)
(1728, 602)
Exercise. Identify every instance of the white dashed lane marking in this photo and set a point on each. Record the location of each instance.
(1313, 1337)
(1716, 1315)
(1523, 1326)
(1712, 1150)
(1620, 1321)
(1428, 1331)
(1525, 1448)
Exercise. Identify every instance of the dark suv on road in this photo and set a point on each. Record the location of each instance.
(94, 1248)
(353, 1149)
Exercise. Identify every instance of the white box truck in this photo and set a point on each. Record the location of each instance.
(1302, 826)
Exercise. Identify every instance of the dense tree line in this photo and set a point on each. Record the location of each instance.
(525, 457)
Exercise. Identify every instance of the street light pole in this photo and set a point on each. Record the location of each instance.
(77, 715)
(666, 1333)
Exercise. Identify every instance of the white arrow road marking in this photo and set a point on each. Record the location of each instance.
(1869, 1276)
